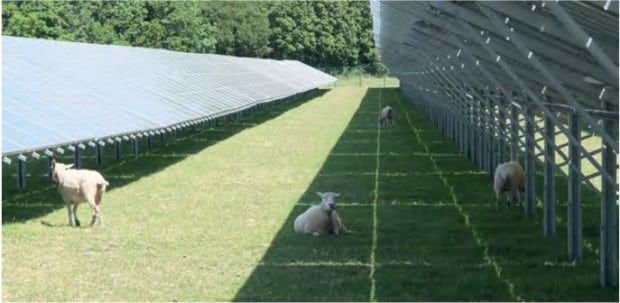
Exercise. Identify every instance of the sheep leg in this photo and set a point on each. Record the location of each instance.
(69, 214)
(77, 221)
(96, 215)
(100, 219)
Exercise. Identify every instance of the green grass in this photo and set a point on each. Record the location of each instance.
(209, 218)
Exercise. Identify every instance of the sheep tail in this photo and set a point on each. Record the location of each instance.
(100, 189)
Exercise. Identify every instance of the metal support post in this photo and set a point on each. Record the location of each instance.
(493, 135)
(502, 133)
(471, 134)
(479, 133)
(530, 163)
(549, 190)
(117, 149)
(514, 133)
(609, 209)
(98, 153)
(49, 167)
(574, 224)
(135, 146)
(77, 159)
(21, 172)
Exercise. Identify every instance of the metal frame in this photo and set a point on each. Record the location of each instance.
(514, 75)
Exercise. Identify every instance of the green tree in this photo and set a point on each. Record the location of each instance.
(324, 34)
(35, 18)
(241, 28)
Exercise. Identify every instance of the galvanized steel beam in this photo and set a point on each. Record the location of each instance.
(574, 218)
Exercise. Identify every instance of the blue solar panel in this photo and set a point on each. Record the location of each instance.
(57, 93)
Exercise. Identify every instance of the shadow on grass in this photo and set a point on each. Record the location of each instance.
(41, 197)
(429, 233)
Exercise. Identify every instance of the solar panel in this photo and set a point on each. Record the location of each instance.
(476, 66)
(57, 93)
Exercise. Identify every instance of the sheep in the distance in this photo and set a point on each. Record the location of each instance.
(508, 178)
(77, 186)
(322, 218)
(386, 117)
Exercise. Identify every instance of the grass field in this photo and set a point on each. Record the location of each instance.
(209, 218)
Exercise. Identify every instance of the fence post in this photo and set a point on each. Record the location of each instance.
(574, 224)
(360, 77)
(609, 208)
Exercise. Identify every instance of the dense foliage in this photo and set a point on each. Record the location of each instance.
(328, 35)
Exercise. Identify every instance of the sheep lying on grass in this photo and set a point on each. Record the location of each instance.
(387, 116)
(322, 218)
(508, 178)
(77, 186)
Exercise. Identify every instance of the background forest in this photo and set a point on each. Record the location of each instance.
(332, 36)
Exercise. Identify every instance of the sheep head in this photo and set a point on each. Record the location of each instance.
(57, 168)
(328, 202)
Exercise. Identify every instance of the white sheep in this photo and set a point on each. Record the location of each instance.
(77, 186)
(508, 178)
(322, 218)
(386, 117)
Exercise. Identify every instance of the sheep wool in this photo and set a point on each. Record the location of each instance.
(386, 117)
(508, 178)
(77, 186)
(320, 219)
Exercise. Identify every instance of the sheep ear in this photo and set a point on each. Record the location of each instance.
(320, 194)
(336, 194)
(69, 166)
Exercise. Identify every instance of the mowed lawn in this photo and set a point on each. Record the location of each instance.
(210, 218)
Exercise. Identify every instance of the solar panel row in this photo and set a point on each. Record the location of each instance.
(57, 93)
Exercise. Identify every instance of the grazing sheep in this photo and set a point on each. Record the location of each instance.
(387, 116)
(322, 218)
(508, 178)
(77, 186)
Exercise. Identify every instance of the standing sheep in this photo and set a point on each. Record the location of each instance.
(77, 186)
(322, 218)
(386, 117)
(508, 178)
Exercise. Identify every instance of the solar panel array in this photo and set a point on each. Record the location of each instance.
(499, 75)
(57, 93)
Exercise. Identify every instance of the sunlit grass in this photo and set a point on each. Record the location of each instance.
(209, 218)
(192, 230)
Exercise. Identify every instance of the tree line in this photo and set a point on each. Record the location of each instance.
(329, 35)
